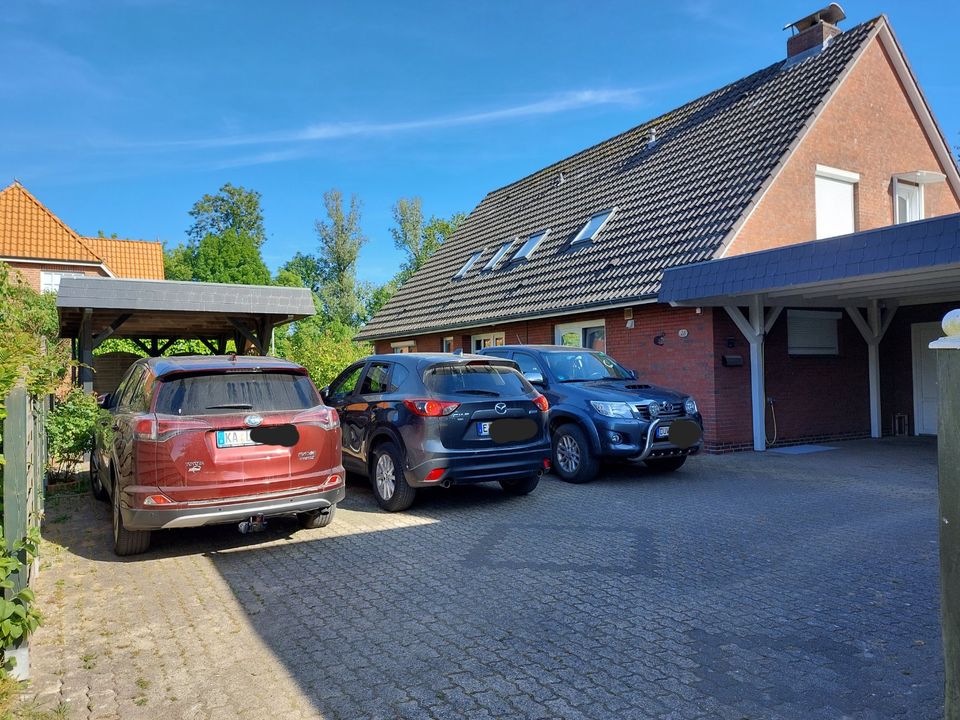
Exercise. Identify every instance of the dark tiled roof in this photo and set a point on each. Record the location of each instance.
(677, 201)
(929, 243)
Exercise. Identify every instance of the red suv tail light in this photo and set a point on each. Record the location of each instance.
(431, 408)
(541, 402)
(324, 417)
(158, 428)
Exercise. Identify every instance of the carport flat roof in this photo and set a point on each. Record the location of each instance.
(168, 308)
(914, 263)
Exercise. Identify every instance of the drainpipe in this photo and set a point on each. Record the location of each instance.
(948, 449)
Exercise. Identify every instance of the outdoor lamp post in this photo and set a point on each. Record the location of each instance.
(948, 377)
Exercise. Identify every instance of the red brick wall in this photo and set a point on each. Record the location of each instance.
(31, 271)
(888, 139)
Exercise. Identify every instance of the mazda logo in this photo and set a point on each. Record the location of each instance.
(252, 420)
(501, 408)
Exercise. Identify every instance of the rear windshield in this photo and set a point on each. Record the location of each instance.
(475, 379)
(213, 394)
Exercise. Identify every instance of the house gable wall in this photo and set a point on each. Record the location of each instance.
(888, 139)
(31, 270)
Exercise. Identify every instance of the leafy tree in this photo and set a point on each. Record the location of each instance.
(374, 297)
(306, 267)
(230, 258)
(178, 263)
(419, 241)
(287, 278)
(324, 348)
(232, 208)
(340, 241)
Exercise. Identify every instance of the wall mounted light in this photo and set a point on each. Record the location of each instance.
(659, 339)
(731, 342)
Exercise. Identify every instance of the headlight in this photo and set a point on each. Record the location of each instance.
(690, 405)
(653, 409)
(612, 409)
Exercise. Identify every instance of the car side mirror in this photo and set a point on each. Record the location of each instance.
(633, 374)
(535, 378)
(324, 392)
(105, 401)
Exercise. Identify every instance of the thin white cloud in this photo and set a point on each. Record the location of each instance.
(562, 102)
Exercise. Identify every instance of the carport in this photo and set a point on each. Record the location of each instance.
(868, 275)
(155, 313)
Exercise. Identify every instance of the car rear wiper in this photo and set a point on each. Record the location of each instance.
(490, 393)
(228, 406)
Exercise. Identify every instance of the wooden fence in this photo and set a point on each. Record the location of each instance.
(25, 460)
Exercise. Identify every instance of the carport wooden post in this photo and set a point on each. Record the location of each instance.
(86, 351)
(754, 330)
(873, 330)
(948, 377)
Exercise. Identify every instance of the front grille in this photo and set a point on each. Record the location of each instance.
(668, 411)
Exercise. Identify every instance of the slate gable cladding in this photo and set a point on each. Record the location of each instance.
(677, 200)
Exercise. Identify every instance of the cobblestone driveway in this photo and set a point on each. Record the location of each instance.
(742, 587)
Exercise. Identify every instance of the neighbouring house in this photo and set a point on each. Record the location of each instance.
(44, 249)
(833, 141)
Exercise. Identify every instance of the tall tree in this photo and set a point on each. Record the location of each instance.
(417, 240)
(232, 208)
(229, 258)
(340, 241)
(177, 263)
(306, 267)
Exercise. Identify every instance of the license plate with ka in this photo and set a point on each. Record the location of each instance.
(234, 438)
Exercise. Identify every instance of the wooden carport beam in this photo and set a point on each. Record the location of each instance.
(754, 330)
(109, 330)
(873, 329)
(259, 338)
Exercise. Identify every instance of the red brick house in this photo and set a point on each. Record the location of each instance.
(836, 138)
(44, 249)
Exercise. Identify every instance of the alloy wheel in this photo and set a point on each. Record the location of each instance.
(568, 454)
(386, 476)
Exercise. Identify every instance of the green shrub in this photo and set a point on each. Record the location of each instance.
(18, 618)
(70, 428)
(324, 350)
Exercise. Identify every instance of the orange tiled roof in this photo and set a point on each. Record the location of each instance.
(29, 230)
(139, 259)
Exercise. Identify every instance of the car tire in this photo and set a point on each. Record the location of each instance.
(668, 464)
(317, 518)
(126, 542)
(390, 487)
(96, 482)
(573, 459)
(522, 486)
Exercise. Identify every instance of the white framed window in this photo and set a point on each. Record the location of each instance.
(447, 344)
(591, 334)
(404, 346)
(498, 256)
(589, 232)
(467, 265)
(908, 202)
(813, 332)
(50, 281)
(530, 246)
(485, 340)
(835, 199)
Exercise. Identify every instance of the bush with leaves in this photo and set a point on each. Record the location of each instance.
(18, 616)
(70, 429)
(323, 349)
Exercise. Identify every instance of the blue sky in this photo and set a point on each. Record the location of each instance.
(119, 114)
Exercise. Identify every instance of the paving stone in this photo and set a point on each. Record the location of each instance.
(742, 586)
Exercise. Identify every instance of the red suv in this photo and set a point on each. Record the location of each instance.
(208, 439)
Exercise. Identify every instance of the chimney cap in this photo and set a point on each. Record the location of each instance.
(832, 14)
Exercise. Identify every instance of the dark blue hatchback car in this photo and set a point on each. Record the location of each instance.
(598, 410)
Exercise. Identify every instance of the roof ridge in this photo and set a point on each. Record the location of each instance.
(130, 240)
(16, 184)
(663, 115)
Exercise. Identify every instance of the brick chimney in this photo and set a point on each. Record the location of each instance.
(814, 30)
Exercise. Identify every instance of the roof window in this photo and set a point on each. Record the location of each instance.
(594, 225)
(467, 265)
(532, 243)
(498, 255)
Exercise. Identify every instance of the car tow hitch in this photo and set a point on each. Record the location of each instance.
(257, 523)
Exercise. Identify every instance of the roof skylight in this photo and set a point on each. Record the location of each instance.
(467, 265)
(498, 255)
(594, 225)
(532, 243)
